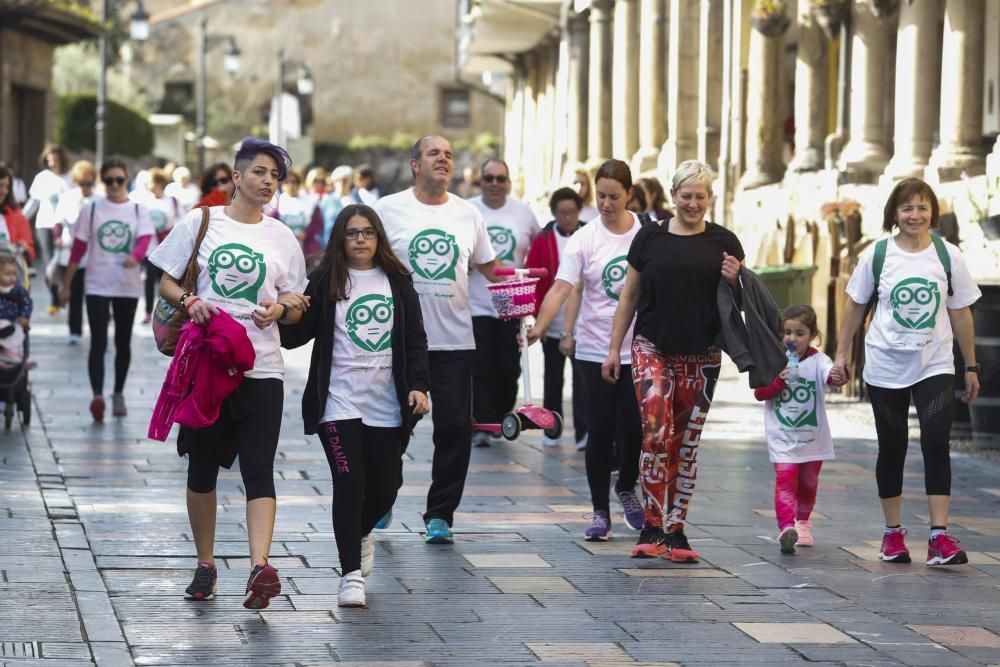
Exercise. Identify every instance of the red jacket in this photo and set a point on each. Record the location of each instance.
(20, 230)
(208, 366)
(544, 254)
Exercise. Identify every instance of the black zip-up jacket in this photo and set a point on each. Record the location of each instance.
(409, 347)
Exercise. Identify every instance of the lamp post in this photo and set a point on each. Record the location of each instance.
(138, 31)
(304, 85)
(231, 63)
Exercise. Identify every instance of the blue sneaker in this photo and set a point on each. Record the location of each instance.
(600, 527)
(385, 521)
(438, 532)
(635, 516)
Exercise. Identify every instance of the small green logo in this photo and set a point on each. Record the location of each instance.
(502, 239)
(915, 303)
(369, 322)
(796, 404)
(614, 276)
(237, 272)
(434, 254)
(158, 218)
(114, 236)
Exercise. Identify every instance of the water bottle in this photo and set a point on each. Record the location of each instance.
(793, 362)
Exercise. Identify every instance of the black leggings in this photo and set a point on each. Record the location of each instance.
(99, 312)
(248, 424)
(153, 275)
(555, 366)
(76, 303)
(364, 461)
(613, 409)
(933, 398)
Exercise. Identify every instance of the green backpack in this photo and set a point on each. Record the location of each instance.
(878, 261)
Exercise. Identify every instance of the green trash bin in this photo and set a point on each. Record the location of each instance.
(788, 284)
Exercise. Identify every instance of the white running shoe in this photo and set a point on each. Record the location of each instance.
(352, 590)
(550, 442)
(581, 444)
(367, 554)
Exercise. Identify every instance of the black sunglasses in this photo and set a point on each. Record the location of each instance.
(113, 180)
(221, 181)
(490, 178)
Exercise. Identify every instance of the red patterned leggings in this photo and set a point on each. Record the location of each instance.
(674, 392)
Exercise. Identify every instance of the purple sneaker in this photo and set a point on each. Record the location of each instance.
(600, 527)
(635, 516)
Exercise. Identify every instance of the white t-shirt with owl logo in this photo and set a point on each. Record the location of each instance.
(240, 266)
(795, 420)
(361, 381)
(439, 244)
(110, 231)
(511, 228)
(910, 338)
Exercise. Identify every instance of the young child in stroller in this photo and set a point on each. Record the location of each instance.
(15, 314)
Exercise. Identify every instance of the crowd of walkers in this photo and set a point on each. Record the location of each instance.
(640, 297)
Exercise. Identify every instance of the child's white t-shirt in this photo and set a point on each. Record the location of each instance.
(910, 338)
(795, 421)
(71, 202)
(439, 243)
(511, 228)
(240, 265)
(600, 258)
(361, 381)
(110, 231)
(46, 189)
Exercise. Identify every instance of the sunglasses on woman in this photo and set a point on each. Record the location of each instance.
(221, 181)
(113, 180)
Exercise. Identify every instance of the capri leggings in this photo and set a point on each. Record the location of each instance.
(250, 420)
(933, 398)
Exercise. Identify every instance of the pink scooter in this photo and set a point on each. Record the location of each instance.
(515, 299)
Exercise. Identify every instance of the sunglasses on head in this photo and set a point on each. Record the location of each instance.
(490, 178)
(221, 181)
(113, 180)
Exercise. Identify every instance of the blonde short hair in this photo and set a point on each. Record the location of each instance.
(81, 169)
(694, 171)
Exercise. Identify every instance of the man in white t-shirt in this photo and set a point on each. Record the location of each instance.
(496, 364)
(438, 236)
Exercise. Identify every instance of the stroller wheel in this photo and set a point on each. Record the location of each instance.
(24, 406)
(510, 426)
(556, 430)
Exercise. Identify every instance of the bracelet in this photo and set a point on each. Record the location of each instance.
(191, 300)
(284, 312)
(183, 298)
(565, 334)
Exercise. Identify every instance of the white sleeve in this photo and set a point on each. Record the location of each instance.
(174, 252)
(824, 365)
(966, 291)
(144, 226)
(861, 286)
(84, 220)
(482, 249)
(294, 279)
(571, 262)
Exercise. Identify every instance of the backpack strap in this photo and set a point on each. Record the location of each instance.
(878, 262)
(945, 258)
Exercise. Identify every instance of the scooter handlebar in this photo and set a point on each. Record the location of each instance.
(528, 273)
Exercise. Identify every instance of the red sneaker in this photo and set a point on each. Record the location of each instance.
(97, 408)
(652, 543)
(893, 548)
(944, 550)
(261, 587)
(679, 549)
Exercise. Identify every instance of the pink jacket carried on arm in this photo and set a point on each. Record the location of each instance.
(208, 366)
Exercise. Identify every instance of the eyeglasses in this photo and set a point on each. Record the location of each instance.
(113, 180)
(490, 178)
(221, 181)
(368, 232)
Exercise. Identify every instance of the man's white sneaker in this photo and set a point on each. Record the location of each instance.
(550, 442)
(352, 590)
(581, 444)
(367, 554)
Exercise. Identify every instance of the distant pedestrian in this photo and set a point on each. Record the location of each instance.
(114, 233)
(71, 202)
(293, 204)
(182, 189)
(43, 195)
(368, 381)
(217, 187)
(338, 195)
(251, 267)
(365, 190)
(15, 230)
(583, 185)
(164, 211)
(797, 428)
(921, 290)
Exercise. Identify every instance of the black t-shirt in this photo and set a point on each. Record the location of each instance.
(679, 276)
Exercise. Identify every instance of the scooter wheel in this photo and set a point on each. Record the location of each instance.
(510, 426)
(556, 430)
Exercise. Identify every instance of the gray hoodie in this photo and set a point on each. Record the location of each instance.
(753, 340)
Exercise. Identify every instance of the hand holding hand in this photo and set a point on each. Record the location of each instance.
(418, 403)
(294, 301)
(272, 311)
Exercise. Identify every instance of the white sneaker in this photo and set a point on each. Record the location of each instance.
(581, 444)
(352, 590)
(367, 554)
(550, 442)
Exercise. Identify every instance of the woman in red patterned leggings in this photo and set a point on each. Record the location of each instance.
(670, 288)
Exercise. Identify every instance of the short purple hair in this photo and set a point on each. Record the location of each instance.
(251, 147)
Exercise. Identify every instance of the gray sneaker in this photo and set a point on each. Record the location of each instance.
(118, 408)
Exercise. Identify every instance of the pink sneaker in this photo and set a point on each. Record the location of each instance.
(804, 529)
(944, 550)
(893, 548)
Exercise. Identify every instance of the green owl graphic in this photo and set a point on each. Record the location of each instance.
(237, 272)
(796, 404)
(614, 276)
(369, 322)
(158, 218)
(503, 243)
(915, 303)
(115, 236)
(434, 254)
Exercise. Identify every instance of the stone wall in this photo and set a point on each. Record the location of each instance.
(25, 62)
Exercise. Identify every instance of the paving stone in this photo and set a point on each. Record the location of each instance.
(950, 635)
(506, 560)
(794, 633)
(532, 585)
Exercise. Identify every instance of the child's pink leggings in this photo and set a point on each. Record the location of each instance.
(795, 486)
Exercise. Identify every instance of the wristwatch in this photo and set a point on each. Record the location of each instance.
(565, 334)
(974, 368)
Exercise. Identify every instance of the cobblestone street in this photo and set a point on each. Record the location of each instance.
(96, 551)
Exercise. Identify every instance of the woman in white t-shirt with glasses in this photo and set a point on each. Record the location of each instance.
(920, 311)
(114, 233)
(595, 256)
(250, 266)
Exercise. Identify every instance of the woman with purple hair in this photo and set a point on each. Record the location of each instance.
(251, 267)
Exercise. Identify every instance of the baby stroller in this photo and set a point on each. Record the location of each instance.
(15, 390)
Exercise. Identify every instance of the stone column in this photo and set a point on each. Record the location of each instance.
(513, 129)
(652, 85)
(961, 127)
(579, 45)
(710, 55)
(811, 93)
(765, 92)
(918, 70)
(682, 95)
(599, 84)
(625, 80)
(865, 153)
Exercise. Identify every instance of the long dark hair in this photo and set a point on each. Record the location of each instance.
(9, 202)
(334, 260)
(208, 176)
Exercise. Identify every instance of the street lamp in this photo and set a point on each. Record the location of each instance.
(138, 31)
(230, 62)
(304, 84)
